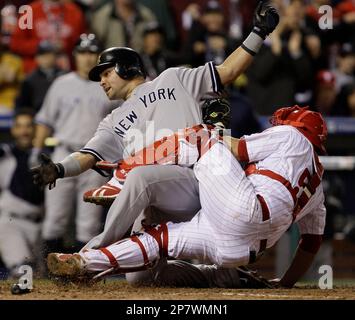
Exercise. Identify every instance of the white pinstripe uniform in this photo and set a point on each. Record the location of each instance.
(230, 223)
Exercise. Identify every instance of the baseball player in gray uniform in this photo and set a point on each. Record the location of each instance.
(21, 202)
(173, 100)
(71, 111)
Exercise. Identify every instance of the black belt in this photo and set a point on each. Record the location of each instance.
(35, 219)
(266, 216)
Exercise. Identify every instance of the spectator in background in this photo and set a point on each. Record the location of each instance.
(36, 84)
(208, 37)
(345, 66)
(121, 23)
(21, 202)
(346, 101)
(162, 11)
(11, 75)
(57, 21)
(345, 30)
(156, 58)
(282, 74)
(325, 93)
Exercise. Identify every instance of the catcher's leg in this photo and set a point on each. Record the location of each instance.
(184, 240)
(171, 189)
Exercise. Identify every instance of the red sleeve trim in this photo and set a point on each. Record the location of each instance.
(242, 151)
(310, 242)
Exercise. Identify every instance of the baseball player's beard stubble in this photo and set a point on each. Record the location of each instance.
(117, 88)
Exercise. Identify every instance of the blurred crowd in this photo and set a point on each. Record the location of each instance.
(300, 63)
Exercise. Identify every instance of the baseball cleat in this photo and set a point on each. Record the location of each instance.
(106, 194)
(66, 265)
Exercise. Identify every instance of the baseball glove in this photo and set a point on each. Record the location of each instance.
(217, 112)
(45, 173)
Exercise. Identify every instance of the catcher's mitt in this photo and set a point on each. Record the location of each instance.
(252, 280)
(217, 112)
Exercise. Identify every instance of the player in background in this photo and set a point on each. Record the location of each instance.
(244, 211)
(72, 110)
(21, 202)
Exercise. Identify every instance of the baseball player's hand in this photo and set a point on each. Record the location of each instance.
(265, 19)
(46, 173)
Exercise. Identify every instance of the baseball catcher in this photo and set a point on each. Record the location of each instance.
(243, 212)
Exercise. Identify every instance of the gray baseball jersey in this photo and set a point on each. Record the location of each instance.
(73, 108)
(155, 109)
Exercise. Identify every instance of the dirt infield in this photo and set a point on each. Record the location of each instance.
(120, 290)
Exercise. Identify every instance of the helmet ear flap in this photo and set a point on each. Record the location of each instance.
(121, 72)
(125, 72)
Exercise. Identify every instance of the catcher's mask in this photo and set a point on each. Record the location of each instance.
(311, 124)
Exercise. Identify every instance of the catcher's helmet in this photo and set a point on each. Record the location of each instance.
(87, 43)
(127, 62)
(311, 124)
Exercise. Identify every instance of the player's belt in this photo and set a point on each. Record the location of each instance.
(266, 216)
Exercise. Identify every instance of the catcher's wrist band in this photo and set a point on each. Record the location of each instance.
(71, 166)
(252, 43)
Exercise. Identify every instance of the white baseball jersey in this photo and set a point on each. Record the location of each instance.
(286, 151)
(73, 108)
(155, 109)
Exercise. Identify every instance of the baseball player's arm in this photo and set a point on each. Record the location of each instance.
(48, 172)
(236, 147)
(266, 19)
(302, 260)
